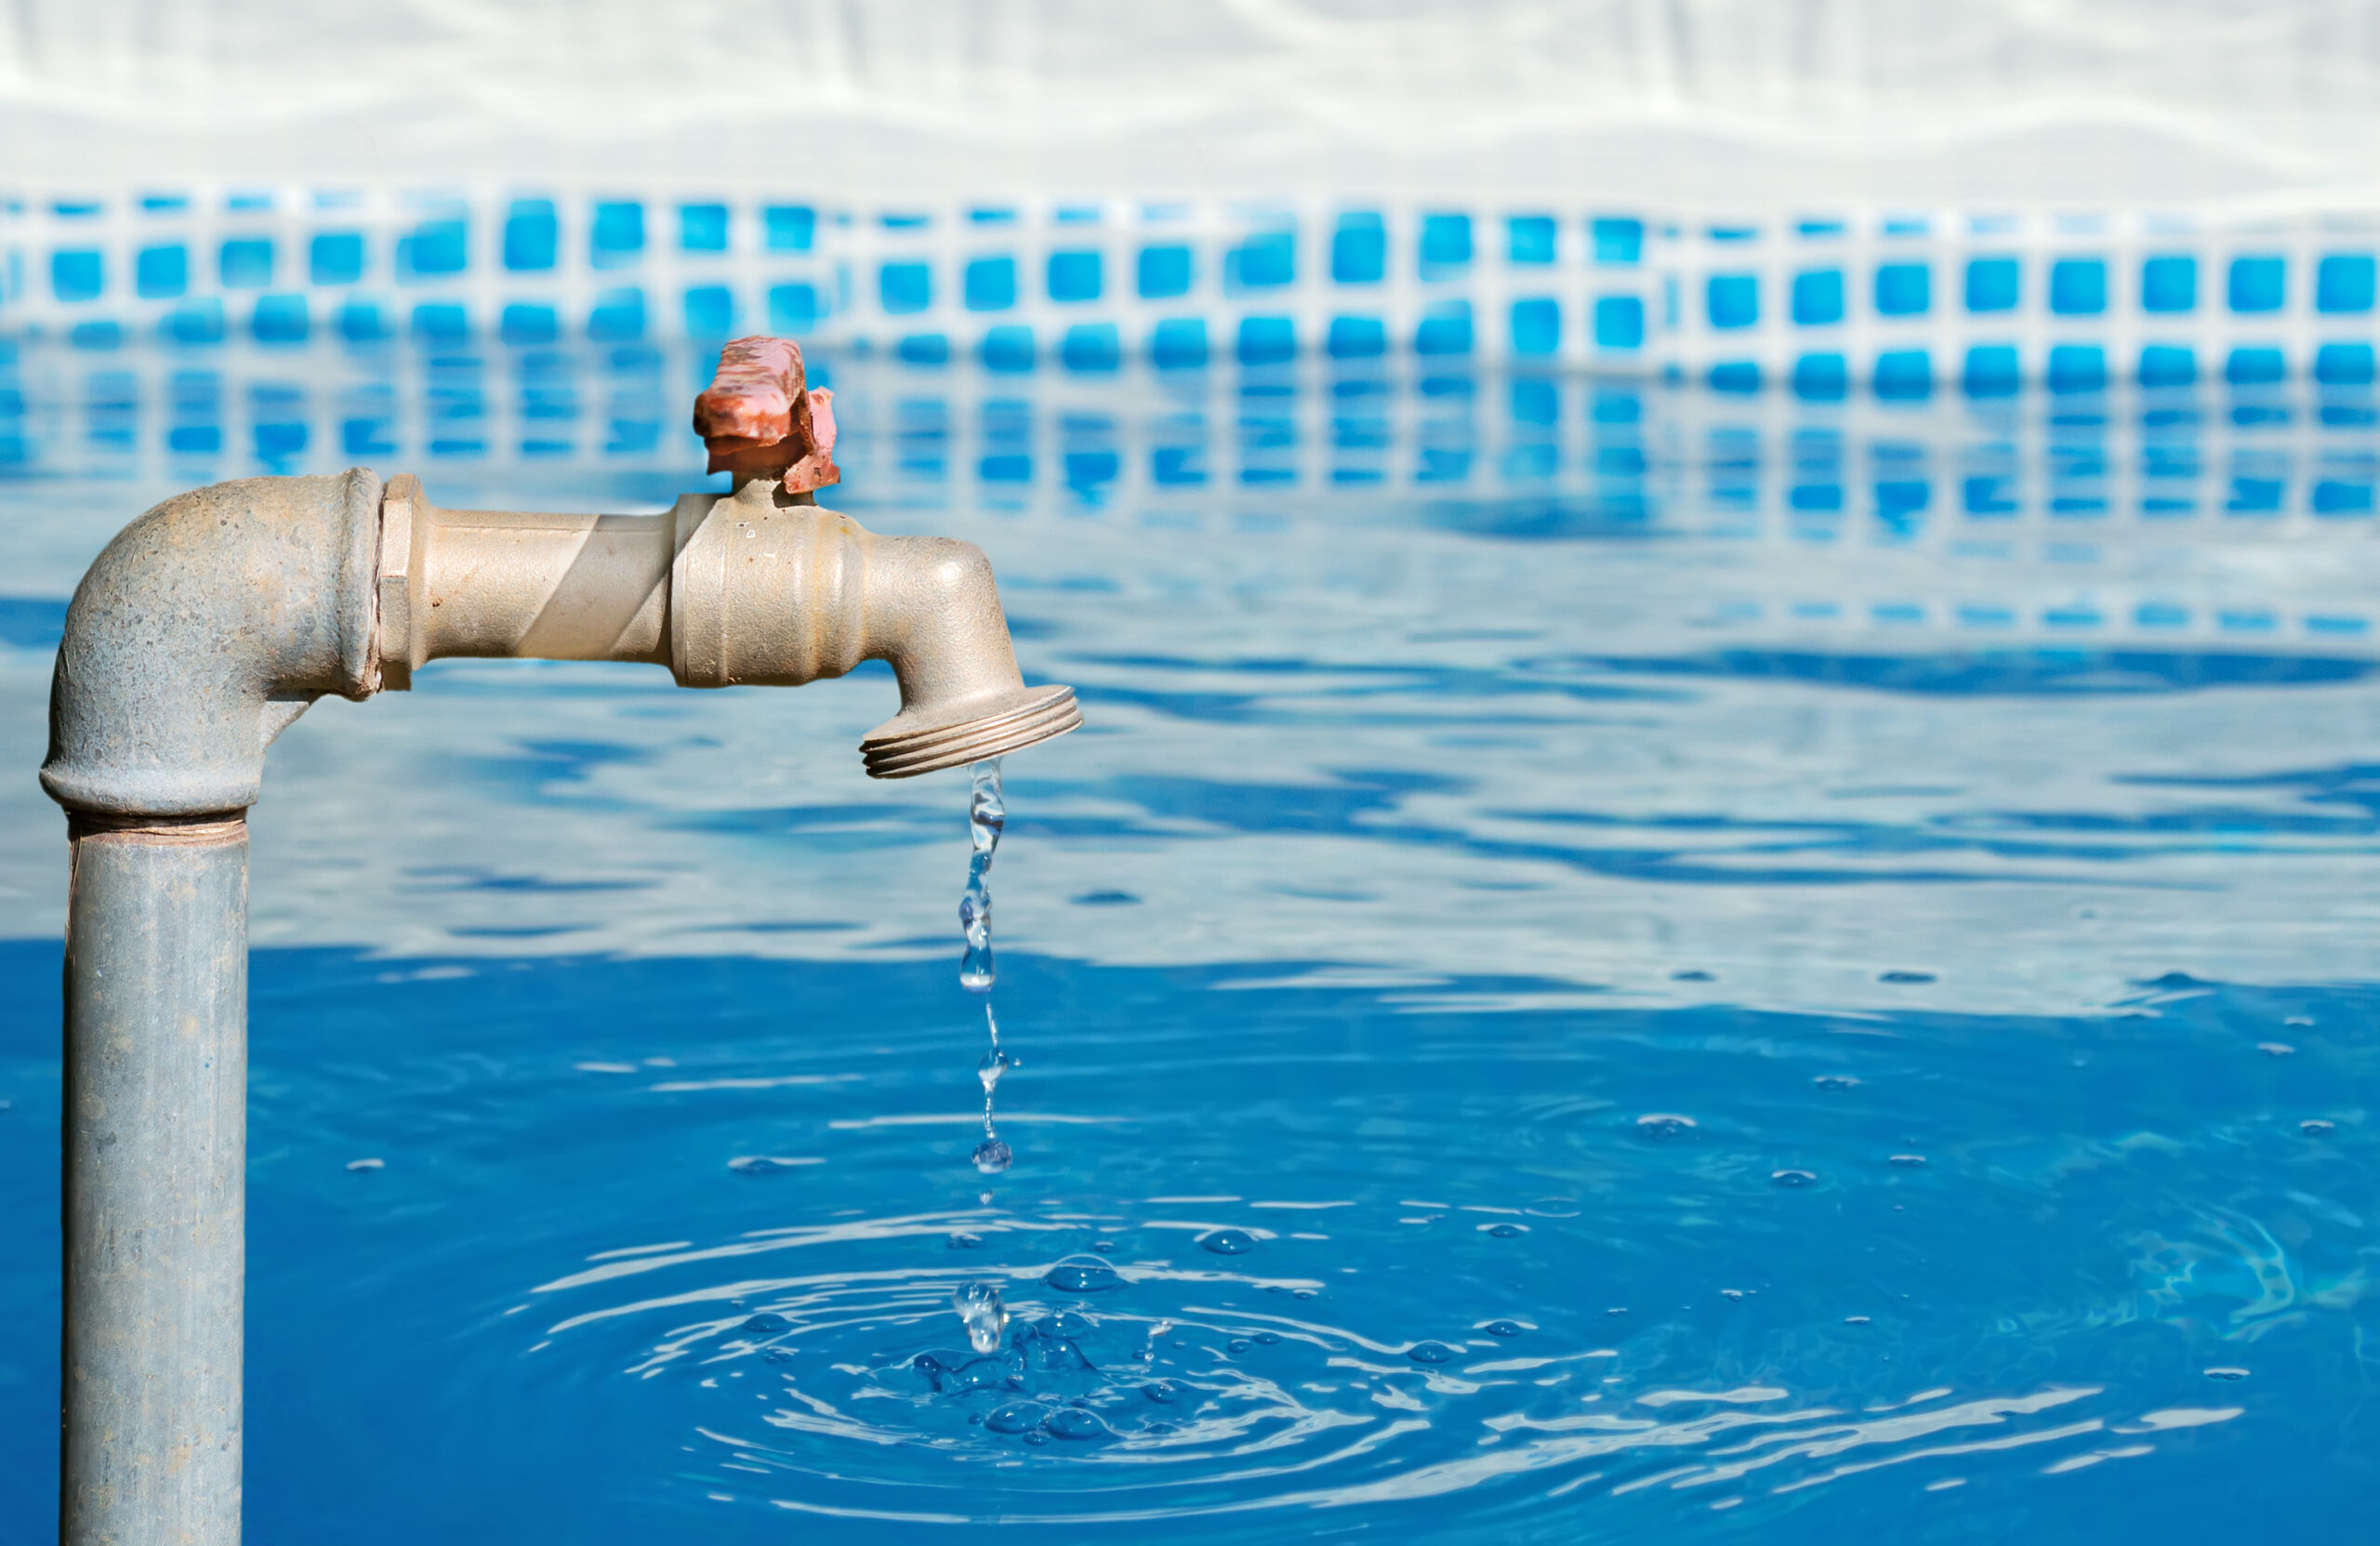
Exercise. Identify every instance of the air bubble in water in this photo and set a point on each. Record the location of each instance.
(1082, 1275)
(1017, 1417)
(1073, 1422)
(982, 1312)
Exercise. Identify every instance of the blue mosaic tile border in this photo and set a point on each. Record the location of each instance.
(1905, 304)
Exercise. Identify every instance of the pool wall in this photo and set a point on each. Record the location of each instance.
(1904, 300)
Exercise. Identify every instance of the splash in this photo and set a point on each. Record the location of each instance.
(982, 1312)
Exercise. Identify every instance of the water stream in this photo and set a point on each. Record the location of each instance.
(978, 1304)
(986, 816)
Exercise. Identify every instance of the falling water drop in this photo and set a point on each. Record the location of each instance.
(991, 1156)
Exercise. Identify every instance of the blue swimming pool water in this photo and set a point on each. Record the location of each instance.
(1810, 1013)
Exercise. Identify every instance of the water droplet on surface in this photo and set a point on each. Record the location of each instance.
(1105, 899)
(1238, 1344)
(1163, 1392)
(1734, 1294)
(1504, 1231)
(2297, 1020)
(982, 1312)
(366, 1164)
(1082, 1275)
(1909, 1161)
(1268, 1338)
(1074, 1424)
(1433, 1352)
(1855, 1320)
(991, 1157)
(1504, 1328)
(1691, 977)
(1103, 1246)
(961, 1240)
(1835, 1081)
(1792, 1178)
(1662, 1127)
(1017, 1417)
(1904, 976)
(1227, 1242)
(2275, 1049)
(2314, 1127)
(2227, 1374)
(767, 1323)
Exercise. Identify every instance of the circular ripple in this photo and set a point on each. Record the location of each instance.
(1131, 1389)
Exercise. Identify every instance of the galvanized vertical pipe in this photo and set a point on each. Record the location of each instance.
(155, 1148)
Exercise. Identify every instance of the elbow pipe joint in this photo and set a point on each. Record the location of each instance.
(200, 632)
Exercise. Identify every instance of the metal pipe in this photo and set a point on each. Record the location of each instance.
(199, 633)
(759, 586)
(155, 1208)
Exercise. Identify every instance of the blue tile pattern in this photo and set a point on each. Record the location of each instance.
(1909, 303)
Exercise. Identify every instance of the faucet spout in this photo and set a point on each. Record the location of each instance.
(769, 587)
(934, 615)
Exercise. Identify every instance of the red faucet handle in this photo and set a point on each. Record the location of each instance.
(758, 422)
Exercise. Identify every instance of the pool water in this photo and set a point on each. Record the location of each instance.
(1610, 962)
